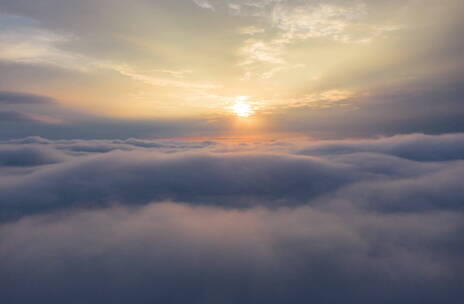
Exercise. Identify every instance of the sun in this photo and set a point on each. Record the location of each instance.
(241, 108)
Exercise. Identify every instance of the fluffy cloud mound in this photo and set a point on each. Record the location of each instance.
(415, 147)
(14, 156)
(144, 221)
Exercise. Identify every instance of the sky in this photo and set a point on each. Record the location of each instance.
(231, 151)
(322, 68)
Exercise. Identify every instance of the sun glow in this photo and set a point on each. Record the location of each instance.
(241, 108)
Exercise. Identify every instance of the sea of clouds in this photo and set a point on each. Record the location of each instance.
(164, 221)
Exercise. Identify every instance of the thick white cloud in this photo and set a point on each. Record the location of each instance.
(344, 220)
(358, 221)
(418, 147)
(377, 174)
(174, 252)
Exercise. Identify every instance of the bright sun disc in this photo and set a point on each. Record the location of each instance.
(241, 108)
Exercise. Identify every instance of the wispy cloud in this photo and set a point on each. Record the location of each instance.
(204, 4)
(317, 21)
(40, 47)
(128, 71)
(293, 23)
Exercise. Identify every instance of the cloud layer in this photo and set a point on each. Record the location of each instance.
(143, 221)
